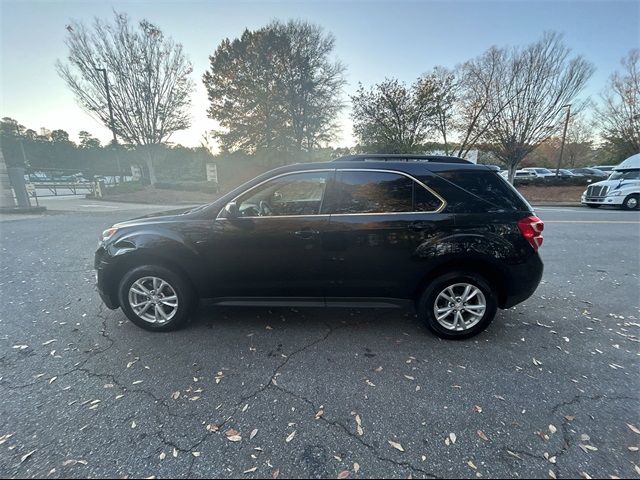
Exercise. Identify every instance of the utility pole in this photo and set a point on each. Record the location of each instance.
(564, 137)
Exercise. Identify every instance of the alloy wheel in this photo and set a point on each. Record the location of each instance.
(459, 307)
(153, 300)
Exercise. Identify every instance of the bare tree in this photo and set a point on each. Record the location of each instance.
(544, 79)
(148, 78)
(619, 112)
(463, 96)
(393, 118)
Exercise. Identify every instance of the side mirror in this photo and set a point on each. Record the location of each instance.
(232, 210)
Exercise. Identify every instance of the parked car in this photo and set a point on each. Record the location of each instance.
(563, 172)
(605, 168)
(589, 172)
(444, 235)
(520, 174)
(621, 189)
(540, 172)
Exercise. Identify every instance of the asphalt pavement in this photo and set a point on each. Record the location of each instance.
(551, 389)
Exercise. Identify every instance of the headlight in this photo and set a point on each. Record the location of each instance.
(108, 233)
(614, 194)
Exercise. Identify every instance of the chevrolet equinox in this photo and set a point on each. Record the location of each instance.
(450, 238)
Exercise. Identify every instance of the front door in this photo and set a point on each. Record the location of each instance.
(272, 249)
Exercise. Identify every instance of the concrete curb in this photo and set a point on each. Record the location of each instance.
(556, 204)
(22, 210)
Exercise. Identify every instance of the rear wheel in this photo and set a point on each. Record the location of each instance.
(458, 305)
(631, 202)
(156, 298)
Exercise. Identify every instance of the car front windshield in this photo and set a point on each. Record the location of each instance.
(625, 175)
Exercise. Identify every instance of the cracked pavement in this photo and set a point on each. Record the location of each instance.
(88, 394)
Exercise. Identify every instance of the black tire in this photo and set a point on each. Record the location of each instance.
(428, 299)
(591, 205)
(183, 290)
(629, 202)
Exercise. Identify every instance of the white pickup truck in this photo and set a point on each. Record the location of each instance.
(621, 189)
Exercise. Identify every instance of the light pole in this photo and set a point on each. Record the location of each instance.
(564, 136)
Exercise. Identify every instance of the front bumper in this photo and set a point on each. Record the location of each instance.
(609, 200)
(104, 285)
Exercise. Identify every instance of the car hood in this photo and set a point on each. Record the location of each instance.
(613, 184)
(167, 216)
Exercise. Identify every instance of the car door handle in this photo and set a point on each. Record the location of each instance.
(306, 234)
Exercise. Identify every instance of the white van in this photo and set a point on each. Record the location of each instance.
(621, 189)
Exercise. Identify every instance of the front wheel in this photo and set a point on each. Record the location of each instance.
(631, 202)
(156, 298)
(458, 305)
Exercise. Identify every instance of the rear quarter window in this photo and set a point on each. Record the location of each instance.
(481, 191)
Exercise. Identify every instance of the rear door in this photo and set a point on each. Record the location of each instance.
(378, 220)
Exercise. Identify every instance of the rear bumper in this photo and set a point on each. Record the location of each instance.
(522, 281)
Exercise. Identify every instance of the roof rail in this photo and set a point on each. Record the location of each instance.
(401, 157)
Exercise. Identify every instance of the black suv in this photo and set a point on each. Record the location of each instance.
(439, 233)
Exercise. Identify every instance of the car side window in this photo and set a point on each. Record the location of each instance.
(294, 194)
(380, 192)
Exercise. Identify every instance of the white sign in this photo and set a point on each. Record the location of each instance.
(212, 172)
(136, 172)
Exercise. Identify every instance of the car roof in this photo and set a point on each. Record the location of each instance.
(413, 164)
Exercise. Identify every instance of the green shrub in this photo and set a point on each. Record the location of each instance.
(126, 187)
(205, 187)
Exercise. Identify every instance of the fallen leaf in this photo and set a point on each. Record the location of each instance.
(344, 474)
(72, 462)
(253, 433)
(569, 418)
(163, 456)
(290, 437)
(453, 438)
(195, 454)
(552, 429)
(585, 475)
(536, 362)
(513, 454)
(175, 395)
(396, 445)
(472, 465)
(633, 428)
(175, 453)
(552, 474)
(409, 377)
(319, 413)
(275, 473)
(52, 380)
(477, 408)
(137, 382)
(251, 470)
(234, 438)
(26, 456)
(482, 436)
(48, 342)
(212, 428)
(356, 467)
(133, 424)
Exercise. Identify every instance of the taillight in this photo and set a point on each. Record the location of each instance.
(531, 229)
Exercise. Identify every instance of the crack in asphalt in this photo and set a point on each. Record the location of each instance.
(349, 433)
